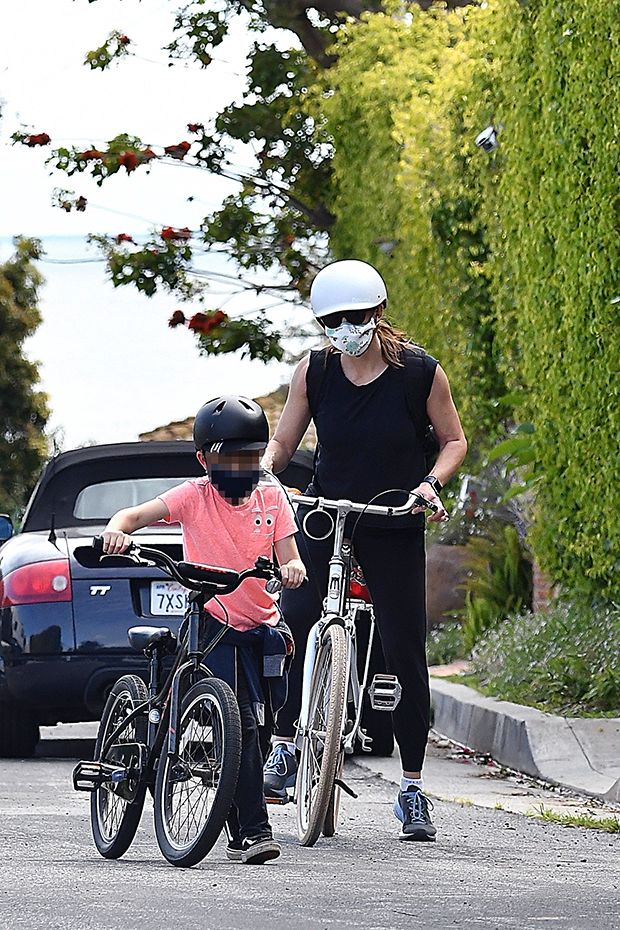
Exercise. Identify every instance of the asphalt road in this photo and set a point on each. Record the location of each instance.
(488, 869)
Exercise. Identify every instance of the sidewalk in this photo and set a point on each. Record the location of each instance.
(559, 765)
(582, 754)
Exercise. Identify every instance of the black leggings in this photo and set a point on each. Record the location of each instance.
(393, 562)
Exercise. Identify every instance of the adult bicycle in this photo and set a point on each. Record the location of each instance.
(333, 690)
(180, 738)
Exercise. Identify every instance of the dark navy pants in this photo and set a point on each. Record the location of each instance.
(248, 816)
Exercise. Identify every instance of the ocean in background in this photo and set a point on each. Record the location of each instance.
(108, 360)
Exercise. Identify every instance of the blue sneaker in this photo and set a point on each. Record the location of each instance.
(279, 773)
(412, 809)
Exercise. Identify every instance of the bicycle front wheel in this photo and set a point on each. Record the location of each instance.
(320, 748)
(194, 791)
(116, 808)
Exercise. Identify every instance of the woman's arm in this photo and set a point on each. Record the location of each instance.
(445, 419)
(115, 536)
(452, 443)
(292, 424)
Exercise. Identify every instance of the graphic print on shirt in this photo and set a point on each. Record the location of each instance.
(264, 521)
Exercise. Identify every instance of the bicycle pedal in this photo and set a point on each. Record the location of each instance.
(286, 800)
(385, 692)
(88, 776)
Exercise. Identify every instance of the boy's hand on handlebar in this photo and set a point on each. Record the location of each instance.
(426, 491)
(293, 573)
(115, 542)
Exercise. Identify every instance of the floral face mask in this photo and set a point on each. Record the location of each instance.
(350, 339)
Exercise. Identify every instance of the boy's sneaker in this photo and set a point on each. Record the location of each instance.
(234, 850)
(258, 849)
(412, 809)
(279, 773)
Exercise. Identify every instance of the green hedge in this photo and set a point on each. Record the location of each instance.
(507, 265)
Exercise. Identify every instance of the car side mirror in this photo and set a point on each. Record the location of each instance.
(6, 527)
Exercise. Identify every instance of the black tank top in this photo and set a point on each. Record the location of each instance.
(367, 440)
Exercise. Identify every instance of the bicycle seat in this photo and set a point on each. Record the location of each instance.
(194, 571)
(142, 637)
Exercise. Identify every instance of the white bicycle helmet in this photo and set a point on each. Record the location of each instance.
(346, 285)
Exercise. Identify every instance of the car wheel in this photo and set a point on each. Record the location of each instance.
(19, 732)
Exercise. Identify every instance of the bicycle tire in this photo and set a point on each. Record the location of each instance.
(194, 795)
(321, 744)
(114, 819)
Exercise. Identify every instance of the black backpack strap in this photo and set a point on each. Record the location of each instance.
(419, 373)
(316, 377)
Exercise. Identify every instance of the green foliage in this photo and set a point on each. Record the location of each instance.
(254, 338)
(23, 409)
(124, 151)
(500, 581)
(559, 196)
(444, 644)
(115, 46)
(157, 264)
(565, 660)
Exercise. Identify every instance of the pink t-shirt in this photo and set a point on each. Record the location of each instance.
(216, 533)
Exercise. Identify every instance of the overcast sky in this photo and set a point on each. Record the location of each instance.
(93, 334)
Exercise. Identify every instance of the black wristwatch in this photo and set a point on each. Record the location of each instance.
(434, 482)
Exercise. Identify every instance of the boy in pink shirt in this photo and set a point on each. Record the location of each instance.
(229, 518)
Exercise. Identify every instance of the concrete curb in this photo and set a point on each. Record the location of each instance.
(581, 754)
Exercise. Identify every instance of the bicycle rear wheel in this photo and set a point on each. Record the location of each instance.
(321, 743)
(194, 792)
(115, 809)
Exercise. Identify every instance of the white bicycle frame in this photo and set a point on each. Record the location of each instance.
(335, 611)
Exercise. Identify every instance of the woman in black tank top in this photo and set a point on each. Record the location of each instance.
(371, 395)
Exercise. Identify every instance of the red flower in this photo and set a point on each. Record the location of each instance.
(146, 156)
(169, 234)
(195, 127)
(41, 138)
(80, 204)
(218, 318)
(90, 155)
(123, 237)
(178, 151)
(177, 319)
(128, 160)
(204, 323)
(124, 40)
(198, 322)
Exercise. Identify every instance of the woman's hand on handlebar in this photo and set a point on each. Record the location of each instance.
(426, 491)
(115, 541)
(293, 573)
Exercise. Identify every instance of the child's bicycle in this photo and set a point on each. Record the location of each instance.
(333, 692)
(180, 738)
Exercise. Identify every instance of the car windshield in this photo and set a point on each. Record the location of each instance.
(101, 501)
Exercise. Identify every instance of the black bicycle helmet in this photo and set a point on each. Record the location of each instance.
(229, 424)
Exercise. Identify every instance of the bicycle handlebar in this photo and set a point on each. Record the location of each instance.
(346, 506)
(194, 576)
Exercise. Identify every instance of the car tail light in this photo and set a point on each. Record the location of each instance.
(40, 583)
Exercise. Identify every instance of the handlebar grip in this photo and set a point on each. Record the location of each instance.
(98, 547)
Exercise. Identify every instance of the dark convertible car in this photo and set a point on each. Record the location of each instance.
(64, 627)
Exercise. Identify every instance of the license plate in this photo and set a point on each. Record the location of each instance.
(168, 599)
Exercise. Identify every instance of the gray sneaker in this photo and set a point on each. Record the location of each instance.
(412, 809)
(279, 773)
